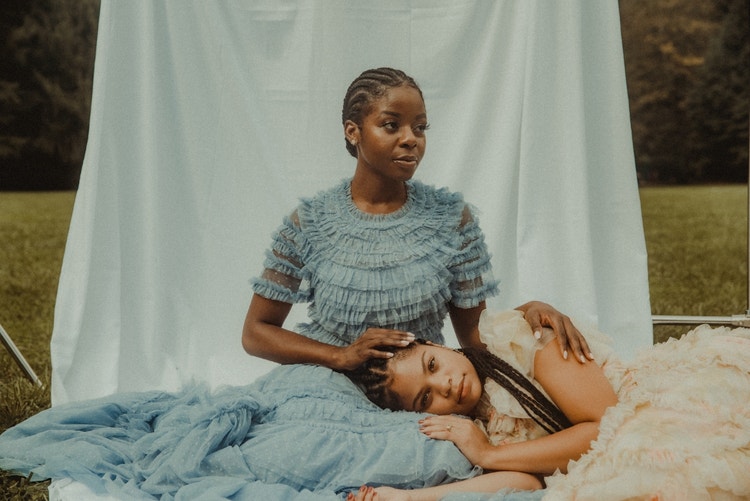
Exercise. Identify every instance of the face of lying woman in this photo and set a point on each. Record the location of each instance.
(435, 379)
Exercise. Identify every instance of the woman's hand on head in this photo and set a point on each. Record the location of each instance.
(569, 338)
(373, 343)
(467, 436)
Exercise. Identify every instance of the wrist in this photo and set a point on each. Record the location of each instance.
(339, 359)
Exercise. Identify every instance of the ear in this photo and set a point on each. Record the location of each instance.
(351, 132)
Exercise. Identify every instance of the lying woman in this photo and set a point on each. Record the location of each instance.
(299, 433)
(673, 424)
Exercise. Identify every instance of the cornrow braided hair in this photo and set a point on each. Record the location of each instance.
(365, 89)
(540, 408)
(374, 378)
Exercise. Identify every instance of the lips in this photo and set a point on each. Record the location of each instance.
(460, 390)
(409, 161)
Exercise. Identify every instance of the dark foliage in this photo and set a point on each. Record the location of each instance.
(687, 70)
(719, 101)
(687, 64)
(47, 49)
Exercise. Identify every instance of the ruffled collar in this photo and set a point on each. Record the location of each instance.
(345, 192)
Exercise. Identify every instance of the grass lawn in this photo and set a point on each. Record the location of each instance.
(696, 239)
(697, 251)
(33, 229)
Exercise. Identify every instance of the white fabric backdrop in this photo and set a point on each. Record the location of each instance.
(210, 119)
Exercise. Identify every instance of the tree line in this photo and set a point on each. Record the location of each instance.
(46, 71)
(688, 72)
(687, 64)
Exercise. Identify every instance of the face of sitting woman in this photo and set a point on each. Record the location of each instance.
(435, 379)
(391, 140)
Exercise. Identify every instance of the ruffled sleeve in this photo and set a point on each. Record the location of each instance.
(284, 277)
(473, 281)
(508, 335)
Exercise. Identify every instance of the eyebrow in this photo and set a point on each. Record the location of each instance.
(419, 393)
(398, 115)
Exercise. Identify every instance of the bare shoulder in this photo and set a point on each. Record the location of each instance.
(581, 391)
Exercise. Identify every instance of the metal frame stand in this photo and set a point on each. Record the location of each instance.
(16, 354)
(736, 320)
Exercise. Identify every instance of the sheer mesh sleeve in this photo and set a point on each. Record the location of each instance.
(473, 281)
(284, 278)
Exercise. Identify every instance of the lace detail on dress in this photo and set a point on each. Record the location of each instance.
(282, 280)
(274, 276)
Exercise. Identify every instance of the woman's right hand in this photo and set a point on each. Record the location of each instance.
(370, 345)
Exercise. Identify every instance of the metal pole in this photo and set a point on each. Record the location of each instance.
(735, 320)
(16, 354)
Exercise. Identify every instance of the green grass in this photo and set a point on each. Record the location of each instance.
(696, 239)
(33, 229)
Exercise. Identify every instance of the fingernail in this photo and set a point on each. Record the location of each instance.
(389, 354)
(591, 356)
(538, 335)
(565, 354)
(583, 359)
(411, 335)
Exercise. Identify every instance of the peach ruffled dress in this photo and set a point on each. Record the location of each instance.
(681, 429)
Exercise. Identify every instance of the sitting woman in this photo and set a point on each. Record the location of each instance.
(673, 424)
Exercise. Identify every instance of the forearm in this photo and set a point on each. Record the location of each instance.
(465, 323)
(543, 455)
(489, 482)
(286, 347)
(264, 336)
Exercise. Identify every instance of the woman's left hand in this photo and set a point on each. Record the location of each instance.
(471, 441)
(540, 315)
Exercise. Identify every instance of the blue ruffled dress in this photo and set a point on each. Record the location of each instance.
(359, 270)
(301, 432)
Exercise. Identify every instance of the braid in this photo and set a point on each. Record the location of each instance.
(543, 411)
(366, 88)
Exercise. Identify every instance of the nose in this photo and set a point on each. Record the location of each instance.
(408, 138)
(444, 386)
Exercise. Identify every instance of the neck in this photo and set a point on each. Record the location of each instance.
(377, 195)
